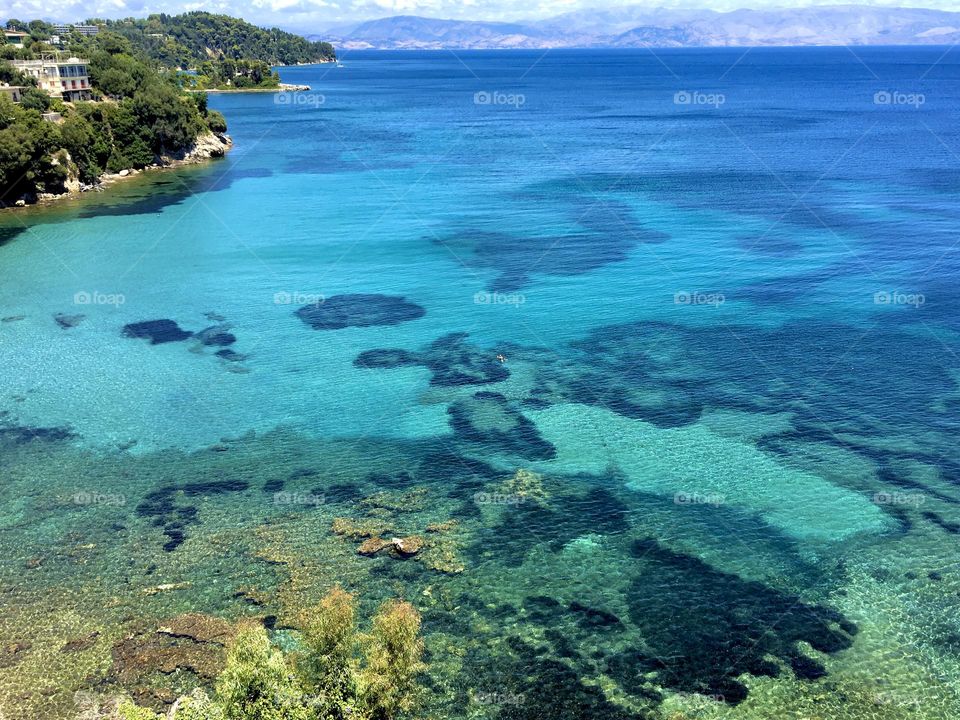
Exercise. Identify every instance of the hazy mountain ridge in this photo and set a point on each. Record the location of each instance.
(638, 26)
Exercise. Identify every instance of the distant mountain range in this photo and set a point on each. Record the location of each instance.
(636, 26)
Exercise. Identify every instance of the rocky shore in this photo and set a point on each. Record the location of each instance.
(207, 146)
(282, 87)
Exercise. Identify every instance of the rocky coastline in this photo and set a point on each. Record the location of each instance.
(282, 87)
(207, 146)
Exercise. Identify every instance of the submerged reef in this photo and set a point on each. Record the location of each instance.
(361, 310)
(157, 331)
(451, 360)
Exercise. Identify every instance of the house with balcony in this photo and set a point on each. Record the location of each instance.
(67, 79)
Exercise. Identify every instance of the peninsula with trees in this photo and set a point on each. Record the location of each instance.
(83, 103)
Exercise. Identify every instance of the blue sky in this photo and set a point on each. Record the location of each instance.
(309, 15)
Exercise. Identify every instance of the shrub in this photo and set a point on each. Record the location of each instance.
(129, 711)
(216, 122)
(328, 666)
(256, 683)
(197, 706)
(393, 661)
(341, 674)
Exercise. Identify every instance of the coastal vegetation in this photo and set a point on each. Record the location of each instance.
(185, 41)
(144, 116)
(338, 673)
(236, 74)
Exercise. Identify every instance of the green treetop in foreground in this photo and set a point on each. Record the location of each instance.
(340, 673)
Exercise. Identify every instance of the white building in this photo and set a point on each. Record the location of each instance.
(14, 92)
(65, 29)
(15, 37)
(67, 79)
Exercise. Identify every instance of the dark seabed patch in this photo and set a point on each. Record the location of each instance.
(157, 331)
(488, 421)
(68, 321)
(216, 335)
(702, 627)
(451, 359)
(361, 310)
(10, 233)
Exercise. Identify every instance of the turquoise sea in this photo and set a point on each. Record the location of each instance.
(657, 351)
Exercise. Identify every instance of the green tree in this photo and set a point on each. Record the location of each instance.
(328, 665)
(216, 122)
(34, 99)
(257, 684)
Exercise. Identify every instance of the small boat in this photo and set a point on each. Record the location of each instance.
(339, 64)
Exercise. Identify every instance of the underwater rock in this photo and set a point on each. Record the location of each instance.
(603, 233)
(525, 485)
(80, 644)
(408, 546)
(214, 487)
(274, 485)
(167, 587)
(23, 435)
(358, 529)
(371, 546)
(360, 310)
(488, 419)
(715, 626)
(411, 500)
(214, 317)
(230, 355)
(157, 331)
(199, 627)
(951, 527)
(68, 321)
(591, 617)
(527, 525)
(137, 657)
(12, 318)
(451, 360)
(12, 653)
(218, 335)
(386, 358)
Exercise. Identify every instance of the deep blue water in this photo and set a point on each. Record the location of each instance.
(722, 288)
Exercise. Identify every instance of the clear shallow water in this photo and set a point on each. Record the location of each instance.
(730, 334)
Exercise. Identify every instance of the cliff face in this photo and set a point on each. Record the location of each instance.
(207, 145)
